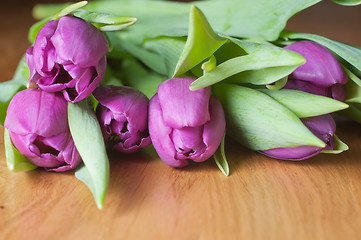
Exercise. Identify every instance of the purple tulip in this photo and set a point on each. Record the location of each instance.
(38, 125)
(185, 124)
(322, 126)
(322, 74)
(123, 116)
(68, 55)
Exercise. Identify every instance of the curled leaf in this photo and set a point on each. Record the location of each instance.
(339, 146)
(69, 9)
(220, 158)
(104, 21)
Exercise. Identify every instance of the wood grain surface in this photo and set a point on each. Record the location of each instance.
(263, 198)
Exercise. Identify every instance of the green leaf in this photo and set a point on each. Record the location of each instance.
(169, 48)
(9, 88)
(149, 58)
(260, 122)
(262, 19)
(201, 43)
(110, 78)
(220, 158)
(35, 28)
(88, 139)
(69, 9)
(160, 54)
(352, 76)
(353, 88)
(353, 112)
(339, 146)
(3, 110)
(349, 53)
(305, 104)
(264, 64)
(138, 77)
(104, 21)
(83, 174)
(348, 2)
(14, 159)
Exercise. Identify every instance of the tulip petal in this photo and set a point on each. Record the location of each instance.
(322, 126)
(187, 108)
(160, 135)
(70, 155)
(44, 51)
(54, 111)
(25, 145)
(339, 92)
(214, 129)
(131, 147)
(321, 67)
(127, 102)
(105, 116)
(91, 79)
(187, 137)
(188, 142)
(34, 117)
(34, 76)
(294, 154)
(85, 48)
(307, 87)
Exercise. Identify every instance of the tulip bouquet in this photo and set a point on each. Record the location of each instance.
(182, 78)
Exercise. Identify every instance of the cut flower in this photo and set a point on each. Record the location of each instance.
(185, 124)
(68, 55)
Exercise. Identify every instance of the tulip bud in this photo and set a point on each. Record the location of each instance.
(68, 55)
(322, 74)
(323, 127)
(38, 125)
(123, 116)
(185, 124)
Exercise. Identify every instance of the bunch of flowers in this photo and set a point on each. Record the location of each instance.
(90, 86)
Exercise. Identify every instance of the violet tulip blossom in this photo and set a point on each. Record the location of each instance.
(323, 127)
(185, 124)
(322, 74)
(38, 125)
(123, 117)
(68, 55)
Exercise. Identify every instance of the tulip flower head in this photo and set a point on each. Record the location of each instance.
(68, 55)
(39, 129)
(123, 116)
(185, 124)
(323, 127)
(322, 74)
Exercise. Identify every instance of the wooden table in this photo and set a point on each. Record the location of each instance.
(263, 198)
